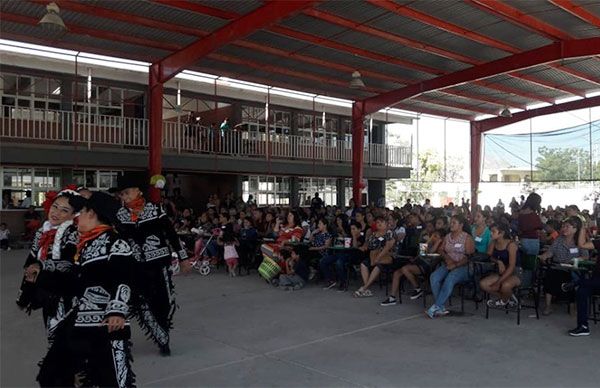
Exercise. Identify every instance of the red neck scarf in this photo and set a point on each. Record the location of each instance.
(136, 206)
(46, 241)
(90, 235)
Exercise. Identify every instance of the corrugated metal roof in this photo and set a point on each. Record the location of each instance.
(559, 78)
(313, 26)
(493, 93)
(402, 26)
(449, 99)
(526, 87)
(556, 17)
(453, 11)
(349, 10)
(418, 105)
(238, 6)
(164, 13)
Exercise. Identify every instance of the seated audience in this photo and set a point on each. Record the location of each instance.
(504, 252)
(458, 245)
(380, 246)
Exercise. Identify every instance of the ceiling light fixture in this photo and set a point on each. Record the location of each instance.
(356, 82)
(52, 21)
(505, 112)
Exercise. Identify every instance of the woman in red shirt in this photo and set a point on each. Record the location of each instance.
(292, 231)
(530, 224)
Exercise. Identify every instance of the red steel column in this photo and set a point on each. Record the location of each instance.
(155, 111)
(358, 139)
(475, 161)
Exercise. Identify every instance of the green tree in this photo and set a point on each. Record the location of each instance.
(564, 164)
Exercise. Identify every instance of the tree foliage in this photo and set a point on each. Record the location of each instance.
(564, 164)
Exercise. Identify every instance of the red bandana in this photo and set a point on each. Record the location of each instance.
(136, 206)
(46, 240)
(87, 236)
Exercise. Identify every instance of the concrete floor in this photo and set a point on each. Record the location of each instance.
(241, 332)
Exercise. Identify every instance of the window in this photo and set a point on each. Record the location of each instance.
(17, 181)
(95, 179)
(326, 187)
(267, 190)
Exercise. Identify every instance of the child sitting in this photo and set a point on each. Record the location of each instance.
(298, 271)
(4, 235)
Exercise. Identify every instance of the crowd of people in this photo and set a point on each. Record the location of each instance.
(97, 261)
(395, 242)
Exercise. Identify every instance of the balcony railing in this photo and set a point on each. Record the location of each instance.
(60, 127)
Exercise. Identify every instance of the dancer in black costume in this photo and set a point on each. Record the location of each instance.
(149, 231)
(92, 345)
(49, 267)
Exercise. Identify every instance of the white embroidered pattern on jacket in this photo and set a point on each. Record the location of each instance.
(58, 239)
(91, 306)
(120, 362)
(119, 304)
(96, 250)
(120, 247)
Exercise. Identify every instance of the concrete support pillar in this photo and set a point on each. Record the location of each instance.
(376, 190)
(294, 196)
(341, 192)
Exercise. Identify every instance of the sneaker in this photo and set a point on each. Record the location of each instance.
(442, 312)
(313, 274)
(390, 301)
(567, 287)
(491, 303)
(416, 293)
(513, 302)
(330, 285)
(580, 331)
(431, 312)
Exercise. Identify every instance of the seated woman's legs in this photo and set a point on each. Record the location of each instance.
(372, 277)
(437, 278)
(411, 271)
(325, 265)
(506, 290)
(454, 277)
(341, 268)
(486, 282)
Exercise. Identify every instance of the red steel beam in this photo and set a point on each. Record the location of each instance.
(576, 73)
(424, 18)
(360, 27)
(358, 154)
(547, 84)
(159, 24)
(531, 23)
(173, 47)
(199, 8)
(433, 112)
(542, 55)
(264, 16)
(353, 50)
(454, 104)
(443, 25)
(497, 122)
(288, 72)
(320, 41)
(511, 90)
(481, 97)
(333, 44)
(577, 11)
(475, 161)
